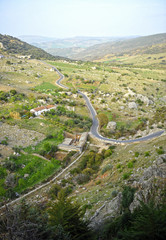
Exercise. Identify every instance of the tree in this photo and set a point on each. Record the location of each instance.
(24, 222)
(127, 196)
(103, 119)
(69, 216)
(148, 223)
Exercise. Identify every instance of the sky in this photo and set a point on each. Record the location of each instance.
(70, 18)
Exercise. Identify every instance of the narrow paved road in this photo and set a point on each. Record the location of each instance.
(95, 122)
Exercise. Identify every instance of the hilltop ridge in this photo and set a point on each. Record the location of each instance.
(13, 45)
(130, 46)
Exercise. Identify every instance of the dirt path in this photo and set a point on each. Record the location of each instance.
(41, 186)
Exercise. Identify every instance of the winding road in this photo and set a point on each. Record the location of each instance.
(95, 123)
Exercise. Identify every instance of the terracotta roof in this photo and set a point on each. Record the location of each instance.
(50, 106)
(39, 108)
(43, 107)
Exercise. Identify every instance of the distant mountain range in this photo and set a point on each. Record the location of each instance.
(68, 46)
(94, 48)
(148, 44)
(83, 48)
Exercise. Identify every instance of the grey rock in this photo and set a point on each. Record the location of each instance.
(132, 105)
(111, 125)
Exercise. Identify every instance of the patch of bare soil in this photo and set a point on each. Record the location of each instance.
(16, 137)
(60, 155)
(5, 151)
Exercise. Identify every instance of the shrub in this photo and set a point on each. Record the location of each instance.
(136, 154)
(54, 190)
(112, 147)
(107, 153)
(118, 165)
(88, 171)
(47, 147)
(3, 172)
(160, 150)
(114, 193)
(98, 182)
(68, 190)
(127, 196)
(4, 142)
(126, 175)
(15, 115)
(147, 154)
(75, 171)
(106, 168)
(82, 178)
(50, 136)
(130, 164)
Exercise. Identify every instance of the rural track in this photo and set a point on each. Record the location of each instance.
(41, 186)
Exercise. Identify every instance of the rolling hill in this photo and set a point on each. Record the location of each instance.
(67, 47)
(9, 44)
(148, 44)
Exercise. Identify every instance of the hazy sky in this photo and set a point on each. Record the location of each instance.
(69, 18)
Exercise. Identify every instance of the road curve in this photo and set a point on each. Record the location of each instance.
(95, 123)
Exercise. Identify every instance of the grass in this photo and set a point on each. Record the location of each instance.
(57, 139)
(34, 167)
(45, 86)
(40, 125)
(116, 81)
(25, 75)
(123, 163)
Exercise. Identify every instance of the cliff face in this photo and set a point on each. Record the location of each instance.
(150, 185)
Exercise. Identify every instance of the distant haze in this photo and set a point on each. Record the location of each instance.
(69, 18)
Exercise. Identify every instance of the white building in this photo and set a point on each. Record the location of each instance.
(39, 110)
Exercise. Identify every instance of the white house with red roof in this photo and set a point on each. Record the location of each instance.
(39, 110)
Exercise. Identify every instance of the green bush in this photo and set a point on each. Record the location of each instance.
(147, 154)
(98, 182)
(126, 175)
(107, 153)
(82, 178)
(75, 171)
(160, 150)
(3, 172)
(118, 165)
(130, 164)
(136, 154)
(127, 196)
(114, 193)
(146, 222)
(53, 192)
(4, 142)
(106, 168)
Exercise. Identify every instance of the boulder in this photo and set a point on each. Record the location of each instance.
(144, 99)
(132, 105)
(111, 126)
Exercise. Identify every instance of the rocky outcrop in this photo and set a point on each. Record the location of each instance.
(111, 126)
(144, 99)
(149, 184)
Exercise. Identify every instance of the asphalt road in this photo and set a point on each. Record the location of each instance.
(95, 123)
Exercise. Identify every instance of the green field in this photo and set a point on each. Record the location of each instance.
(24, 172)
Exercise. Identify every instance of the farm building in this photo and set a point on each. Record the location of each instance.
(39, 110)
(74, 144)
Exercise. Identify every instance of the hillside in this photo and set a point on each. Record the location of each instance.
(131, 46)
(105, 181)
(67, 47)
(13, 45)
